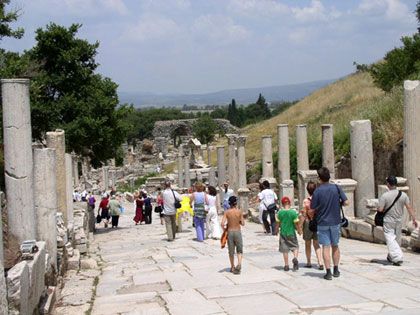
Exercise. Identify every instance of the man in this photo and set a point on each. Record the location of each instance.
(393, 219)
(234, 219)
(169, 211)
(326, 204)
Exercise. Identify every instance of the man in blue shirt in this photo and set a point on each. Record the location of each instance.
(326, 203)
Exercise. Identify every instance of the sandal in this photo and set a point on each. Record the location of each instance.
(308, 266)
(321, 267)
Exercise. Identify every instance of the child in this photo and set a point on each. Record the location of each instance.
(288, 223)
(235, 219)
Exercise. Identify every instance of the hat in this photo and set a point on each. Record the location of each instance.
(392, 180)
(285, 199)
(233, 200)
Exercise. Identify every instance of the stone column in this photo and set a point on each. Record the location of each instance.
(209, 149)
(132, 184)
(187, 171)
(180, 167)
(69, 188)
(287, 189)
(411, 141)
(302, 148)
(328, 159)
(1, 236)
(362, 164)
(46, 201)
(284, 152)
(304, 178)
(18, 159)
(349, 186)
(56, 140)
(105, 177)
(113, 179)
(75, 170)
(243, 190)
(221, 168)
(232, 161)
(267, 161)
(212, 177)
(3, 291)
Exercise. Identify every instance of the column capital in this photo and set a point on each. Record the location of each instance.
(241, 140)
(231, 138)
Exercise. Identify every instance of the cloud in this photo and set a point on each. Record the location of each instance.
(258, 8)
(116, 5)
(389, 9)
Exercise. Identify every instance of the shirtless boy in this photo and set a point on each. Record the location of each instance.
(234, 219)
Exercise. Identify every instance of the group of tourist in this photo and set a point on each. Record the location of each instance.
(110, 208)
(143, 208)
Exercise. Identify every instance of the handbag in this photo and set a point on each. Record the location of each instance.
(177, 203)
(379, 216)
(158, 209)
(313, 223)
(98, 218)
(344, 220)
(223, 239)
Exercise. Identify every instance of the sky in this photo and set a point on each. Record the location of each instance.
(201, 46)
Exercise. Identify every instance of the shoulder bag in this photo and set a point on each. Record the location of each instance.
(344, 220)
(379, 216)
(271, 207)
(177, 203)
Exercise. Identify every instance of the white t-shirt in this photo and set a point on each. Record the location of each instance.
(169, 201)
(228, 194)
(267, 197)
(212, 201)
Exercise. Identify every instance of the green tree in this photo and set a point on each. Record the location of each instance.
(67, 94)
(232, 113)
(265, 111)
(205, 129)
(5, 19)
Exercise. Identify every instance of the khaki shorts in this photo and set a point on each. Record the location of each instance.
(308, 235)
(235, 240)
(288, 243)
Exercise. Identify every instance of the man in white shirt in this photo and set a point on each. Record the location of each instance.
(169, 211)
(268, 197)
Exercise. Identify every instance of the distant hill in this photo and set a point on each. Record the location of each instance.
(242, 96)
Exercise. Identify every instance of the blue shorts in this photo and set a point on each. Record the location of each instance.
(328, 235)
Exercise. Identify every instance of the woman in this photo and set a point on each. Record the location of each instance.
(200, 200)
(159, 201)
(212, 224)
(228, 193)
(114, 210)
(147, 202)
(268, 197)
(91, 201)
(139, 210)
(103, 207)
(308, 235)
(261, 206)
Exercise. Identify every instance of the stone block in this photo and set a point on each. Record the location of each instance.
(405, 241)
(37, 276)
(88, 264)
(415, 240)
(69, 249)
(74, 262)
(3, 291)
(52, 294)
(378, 235)
(18, 284)
(129, 197)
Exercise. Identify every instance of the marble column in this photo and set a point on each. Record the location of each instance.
(46, 201)
(328, 159)
(267, 161)
(362, 164)
(180, 167)
(187, 170)
(302, 148)
(3, 291)
(69, 187)
(1, 238)
(305, 176)
(221, 169)
(132, 184)
(232, 160)
(411, 141)
(243, 190)
(18, 159)
(56, 140)
(75, 170)
(113, 179)
(105, 177)
(212, 177)
(209, 149)
(283, 152)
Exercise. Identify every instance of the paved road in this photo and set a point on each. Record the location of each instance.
(142, 273)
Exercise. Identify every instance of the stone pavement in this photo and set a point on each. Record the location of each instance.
(142, 273)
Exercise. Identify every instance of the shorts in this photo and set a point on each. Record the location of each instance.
(308, 235)
(288, 243)
(105, 214)
(328, 235)
(235, 240)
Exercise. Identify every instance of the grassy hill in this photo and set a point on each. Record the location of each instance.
(352, 98)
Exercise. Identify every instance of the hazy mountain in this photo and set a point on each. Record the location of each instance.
(242, 96)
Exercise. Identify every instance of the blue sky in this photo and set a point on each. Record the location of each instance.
(197, 46)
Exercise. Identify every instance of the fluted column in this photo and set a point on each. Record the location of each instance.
(243, 190)
(18, 159)
(283, 152)
(362, 164)
(232, 160)
(267, 161)
(105, 177)
(328, 159)
(412, 141)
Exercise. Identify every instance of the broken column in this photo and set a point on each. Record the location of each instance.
(362, 164)
(69, 188)
(180, 167)
(56, 140)
(75, 170)
(283, 152)
(18, 159)
(209, 149)
(243, 190)
(267, 161)
(302, 148)
(46, 202)
(411, 141)
(328, 159)
(232, 160)
(349, 186)
(105, 177)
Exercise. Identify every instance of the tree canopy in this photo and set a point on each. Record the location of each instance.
(204, 129)
(5, 19)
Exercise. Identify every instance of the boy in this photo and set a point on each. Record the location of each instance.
(288, 223)
(235, 219)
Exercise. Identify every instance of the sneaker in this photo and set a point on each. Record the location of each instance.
(238, 268)
(295, 264)
(308, 266)
(236, 271)
(389, 259)
(336, 274)
(328, 276)
(286, 268)
(321, 267)
(397, 263)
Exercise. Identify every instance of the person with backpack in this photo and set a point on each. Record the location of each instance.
(392, 205)
(267, 197)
